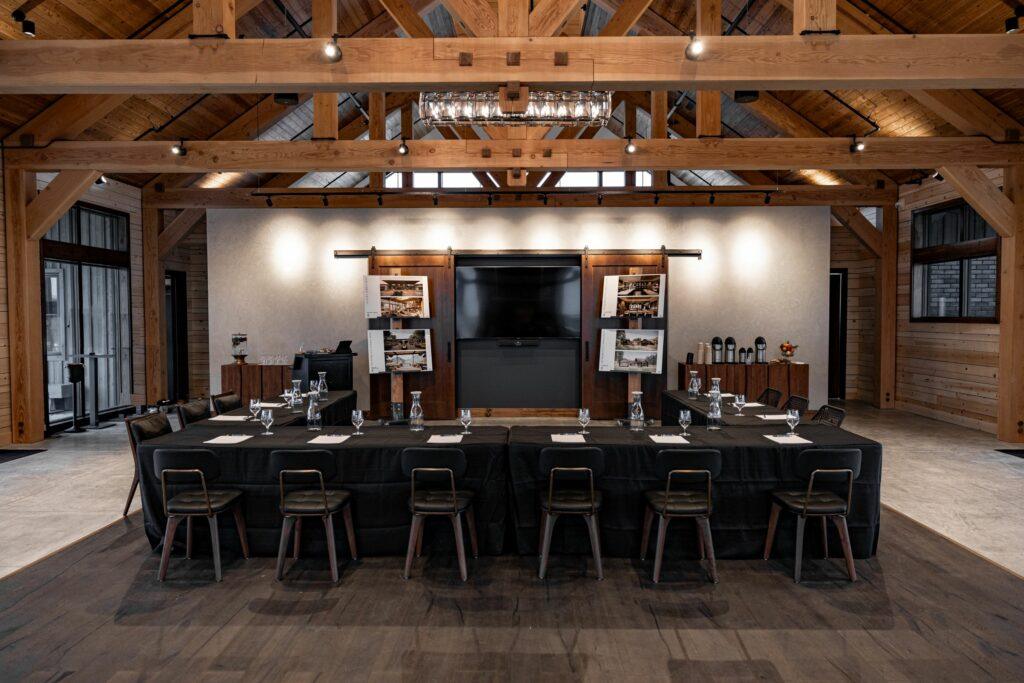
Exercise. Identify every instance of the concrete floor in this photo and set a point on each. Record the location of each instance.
(949, 478)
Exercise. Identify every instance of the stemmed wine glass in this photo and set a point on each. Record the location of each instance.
(465, 417)
(357, 422)
(792, 419)
(267, 418)
(584, 420)
(254, 408)
(685, 420)
(739, 401)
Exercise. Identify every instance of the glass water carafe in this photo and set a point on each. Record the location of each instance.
(416, 413)
(636, 412)
(296, 398)
(715, 413)
(716, 388)
(321, 384)
(313, 420)
(693, 390)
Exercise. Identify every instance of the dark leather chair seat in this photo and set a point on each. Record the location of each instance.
(194, 502)
(821, 502)
(439, 501)
(679, 502)
(570, 501)
(311, 502)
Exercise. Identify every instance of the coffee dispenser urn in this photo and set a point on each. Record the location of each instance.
(730, 350)
(716, 350)
(762, 350)
(743, 356)
(750, 356)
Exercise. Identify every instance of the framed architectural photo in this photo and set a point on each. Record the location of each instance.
(631, 351)
(399, 351)
(633, 296)
(396, 296)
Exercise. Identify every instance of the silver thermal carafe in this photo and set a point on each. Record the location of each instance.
(750, 355)
(716, 350)
(742, 356)
(730, 350)
(762, 350)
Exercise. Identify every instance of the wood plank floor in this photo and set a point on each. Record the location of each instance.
(924, 609)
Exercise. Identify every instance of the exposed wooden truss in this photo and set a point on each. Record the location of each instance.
(48, 206)
(981, 193)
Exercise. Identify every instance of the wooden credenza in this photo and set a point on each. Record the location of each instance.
(255, 381)
(751, 380)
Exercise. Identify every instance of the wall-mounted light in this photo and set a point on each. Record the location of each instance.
(695, 48)
(332, 51)
(630, 146)
(178, 149)
(403, 148)
(857, 145)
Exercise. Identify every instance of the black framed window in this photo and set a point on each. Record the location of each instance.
(954, 265)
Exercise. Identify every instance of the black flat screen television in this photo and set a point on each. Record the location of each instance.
(517, 301)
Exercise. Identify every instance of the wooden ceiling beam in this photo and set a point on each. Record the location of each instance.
(48, 206)
(476, 16)
(709, 102)
(548, 16)
(648, 63)
(407, 18)
(814, 16)
(513, 18)
(982, 194)
(860, 226)
(213, 17)
(625, 17)
(469, 155)
(175, 231)
(325, 104)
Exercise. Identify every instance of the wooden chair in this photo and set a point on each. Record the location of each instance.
(770, 397)
(433, 473)
(317, 465)
(576, 469)
(685, 467)
(829, 415)
(796, 402)
(142, 428)
(192, 465)
(821, 466)
(226, 402)
(193, 411)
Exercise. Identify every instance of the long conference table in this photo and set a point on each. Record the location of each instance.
(503, 472)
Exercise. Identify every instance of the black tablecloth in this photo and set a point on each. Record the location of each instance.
(673, 401)
(335, 409)
(369, 466)
(752, 467)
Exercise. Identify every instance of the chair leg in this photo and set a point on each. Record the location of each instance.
(540, 531)
(704, 524)
(824, 535)
(282, 550)
(460, 548)
(414, 530)
(243, 535)
(659, 548)
(700, 542)
(545, 545)
(419, 538)
(844, 536)
(471, 523)
(773, 522)
(165, 556)
(131, 493)
(188, 538)
(215, 542)
(645, 539)
(801, 521)
(298, 537)
(332, 553)
(595, 543)
(350, 531)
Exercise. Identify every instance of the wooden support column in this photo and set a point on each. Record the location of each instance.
(709, 102)
(153, 306)
(325, 104)
(213, 16)
(24, 313)
(513, 18)
(407, 134)
(885, 288)
(378, 130)
(629, 130)
(659, 131)
(814, 16)
(1010, 418)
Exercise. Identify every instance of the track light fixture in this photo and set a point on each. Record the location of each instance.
(435, 200)
(711, 198)
(490, 199)
(767, 197)
(323, 198)
(178, 149)
(695, 48)
(857, 145)
(332, 51)
(600, 199)
(270, 201)
(937, 176)
(1013, 23)
(657, 198)
(102, 180)
(28, 27)
(380, 199)
(403, 148)
(746, 96)
(630, 146)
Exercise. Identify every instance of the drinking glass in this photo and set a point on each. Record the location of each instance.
(685, 420)
(697, 383)
(254, 408)
(584, 420)
(267, 418)
(357, 422)
(739, 401)
(792, 419)
(465, 417)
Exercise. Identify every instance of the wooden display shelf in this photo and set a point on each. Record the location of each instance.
(751, 380)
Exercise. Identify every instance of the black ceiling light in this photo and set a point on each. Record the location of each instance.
(332, 51)
(746, 96)
(28, 27)
(179, 149)
(1013, 23)
(630, 146)
(286, 99)
(270, 201)
(857, 145)
(937, 176)
(767, 197)
(695, 48)
(403, 148)
(102, 180)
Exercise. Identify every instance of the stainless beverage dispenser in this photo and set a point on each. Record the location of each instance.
(762, 350)
(742, 356)
(716, 350)
(730, 350)
(750, 355)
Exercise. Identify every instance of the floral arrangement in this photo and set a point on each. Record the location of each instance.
(788, 349)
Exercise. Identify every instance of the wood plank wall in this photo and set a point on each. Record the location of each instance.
(5, 354)
(861, 265)
(189, 256)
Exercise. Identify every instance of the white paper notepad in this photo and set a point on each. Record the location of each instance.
(568, 438)
(230, 418)
(445, 438)
(329, 439)
(668, 438)
(786, 439)
(772, 417)
(271, 405)
(229, 439)
(753, 405)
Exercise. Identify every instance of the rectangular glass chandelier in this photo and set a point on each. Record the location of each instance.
(545, 107)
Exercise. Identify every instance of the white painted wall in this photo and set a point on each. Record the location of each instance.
(764, 271)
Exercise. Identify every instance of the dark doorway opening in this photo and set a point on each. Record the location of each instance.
(176, 305)
(837, 298)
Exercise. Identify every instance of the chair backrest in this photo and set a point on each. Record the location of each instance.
(770, 397)
(589, 457)
(811, 460)
(453, 459)
(193, 411)
(697, 460)
(201, 459)
(226, 402)
(145, 427)
(321, 460)
(795, 402)
(829, 415)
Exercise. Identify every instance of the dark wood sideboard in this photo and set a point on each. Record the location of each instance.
(751, 380)
(250, 380)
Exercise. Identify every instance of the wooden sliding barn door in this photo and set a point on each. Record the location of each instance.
(438, 387)
(607, 393)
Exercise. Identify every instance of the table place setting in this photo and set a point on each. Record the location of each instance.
(668, 439)
(568, 438)
(329, 439)
(445, 438)
(787, 439)
(755, 404)
(773, 416)
(231, 418)
(265, 404)
(226, 439)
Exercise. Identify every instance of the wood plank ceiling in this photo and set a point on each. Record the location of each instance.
(837, 113)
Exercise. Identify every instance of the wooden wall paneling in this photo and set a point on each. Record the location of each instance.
(153, 306)
(886, 312)
(5, 349)
(849, 253)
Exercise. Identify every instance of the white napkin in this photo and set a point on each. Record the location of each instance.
(753, 405)
(568, 438)
(230, 418)
(445, 438)
(728, 395)
(786, 439)
(778, 416)
(230, 438)
(271, 405)
(329, 439)
(668, 438)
